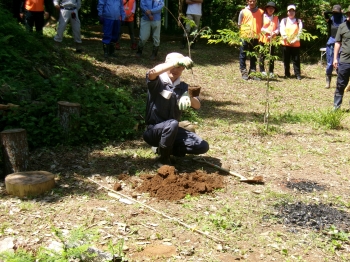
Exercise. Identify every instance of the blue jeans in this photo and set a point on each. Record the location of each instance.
(111, 29)
(145, 32)
(169, 134)
(329, 58)
(342, 82)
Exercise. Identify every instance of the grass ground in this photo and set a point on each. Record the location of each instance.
(240, 221)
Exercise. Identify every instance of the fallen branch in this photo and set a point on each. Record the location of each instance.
(193, 229)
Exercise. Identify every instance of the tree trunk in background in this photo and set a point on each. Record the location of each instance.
(15, 150)
(65, 111)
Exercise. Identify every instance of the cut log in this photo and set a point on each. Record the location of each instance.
(15, 149)
(30, 183)
(65, 111)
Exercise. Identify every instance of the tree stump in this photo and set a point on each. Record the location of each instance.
(30, 183)
(15, 150)
(65, 111)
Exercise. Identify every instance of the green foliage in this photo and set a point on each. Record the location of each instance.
(307, 36)
(75, 246)
(330, 119)
(19, 256)
(116, 249)
(191, 115)
(227, 36)
(107, 113)
(337, 238)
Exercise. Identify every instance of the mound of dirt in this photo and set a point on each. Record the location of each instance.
(167, 184)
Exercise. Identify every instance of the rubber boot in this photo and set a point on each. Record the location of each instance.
(139, 51)
(164, 152)
(105, 50)
(183, 43)
(328, 81)
(111, 49)
(78, 48)
(154, 52)
(338, 99)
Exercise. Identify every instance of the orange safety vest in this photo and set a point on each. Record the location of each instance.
(270, 25)
(292, 30)
(251, 23)
(34, 5)
(128, 5)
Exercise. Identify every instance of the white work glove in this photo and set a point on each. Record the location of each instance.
(184, 102)
(185, 62)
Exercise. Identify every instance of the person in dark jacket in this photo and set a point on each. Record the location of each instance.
(111, 13)
(167, 98)
(342, 40)
(333, 18)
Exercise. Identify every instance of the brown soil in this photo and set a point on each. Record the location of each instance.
(168, 184)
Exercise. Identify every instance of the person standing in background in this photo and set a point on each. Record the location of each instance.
(193, 15)
(333, 23)
(291, 29)
(269, 30)
(150, 22)
(129, 9)
(342, 40)
(250, 21)
(69, 13)
(110, 13)
(33, 12)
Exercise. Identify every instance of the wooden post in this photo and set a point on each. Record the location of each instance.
(65, 111)
(15, 149)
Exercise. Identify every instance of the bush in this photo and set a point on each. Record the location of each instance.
(106, 113)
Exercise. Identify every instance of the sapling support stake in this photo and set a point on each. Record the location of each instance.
(193, 229)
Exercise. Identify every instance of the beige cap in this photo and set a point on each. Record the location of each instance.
(173, 57)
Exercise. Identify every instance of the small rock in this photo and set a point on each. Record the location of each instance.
(6, 244)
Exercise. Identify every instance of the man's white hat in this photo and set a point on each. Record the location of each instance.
(173, 57)
(291, 7)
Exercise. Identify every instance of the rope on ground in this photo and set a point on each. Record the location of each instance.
(193, 229)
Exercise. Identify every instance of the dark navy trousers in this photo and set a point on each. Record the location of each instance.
(342, 82)
(247, 46)
(291, 53)
(169, 134)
